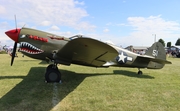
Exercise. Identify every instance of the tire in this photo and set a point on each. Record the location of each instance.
(140, 73)
(53, 75)
(50, 67)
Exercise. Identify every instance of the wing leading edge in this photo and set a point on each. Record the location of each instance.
(87, 51)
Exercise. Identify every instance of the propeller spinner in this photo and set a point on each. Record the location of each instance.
(13, 34)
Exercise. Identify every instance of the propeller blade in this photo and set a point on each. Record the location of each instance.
(13, 53)
(15, 23)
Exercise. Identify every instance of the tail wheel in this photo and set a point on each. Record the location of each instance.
(53, 75)
(140, 72)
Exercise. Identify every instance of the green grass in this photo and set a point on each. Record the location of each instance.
(22, 88)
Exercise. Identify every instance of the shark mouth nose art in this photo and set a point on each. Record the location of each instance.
(30, 49)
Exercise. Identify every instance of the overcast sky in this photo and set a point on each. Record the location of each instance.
(121, 22)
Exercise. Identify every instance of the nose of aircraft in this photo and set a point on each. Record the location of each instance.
(13, 34)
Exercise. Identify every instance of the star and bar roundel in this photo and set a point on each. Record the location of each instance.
(122, 58)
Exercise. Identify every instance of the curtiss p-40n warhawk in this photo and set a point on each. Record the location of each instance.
(82, 51)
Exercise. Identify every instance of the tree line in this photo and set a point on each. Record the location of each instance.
(169, 43)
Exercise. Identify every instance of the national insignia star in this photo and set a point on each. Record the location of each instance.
(122, 57)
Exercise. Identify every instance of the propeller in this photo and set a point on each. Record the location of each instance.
(14, 35)
(13, 53)
(15, 44)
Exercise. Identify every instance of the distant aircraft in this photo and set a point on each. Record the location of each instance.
(82, 51)
(9, 50)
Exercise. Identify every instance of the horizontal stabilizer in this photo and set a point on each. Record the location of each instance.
(161, 61)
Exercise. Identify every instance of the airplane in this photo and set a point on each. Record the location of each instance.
(81, 50)
(9, 50)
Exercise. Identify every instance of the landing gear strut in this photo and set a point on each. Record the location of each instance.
(52, 74)
(140, 72)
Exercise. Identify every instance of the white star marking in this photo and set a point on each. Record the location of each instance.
(121, 57)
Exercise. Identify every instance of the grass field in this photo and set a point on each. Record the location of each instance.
(22, 88)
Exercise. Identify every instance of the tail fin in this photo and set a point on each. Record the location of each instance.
(158, 52)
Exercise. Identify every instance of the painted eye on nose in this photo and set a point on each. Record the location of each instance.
(23, 36)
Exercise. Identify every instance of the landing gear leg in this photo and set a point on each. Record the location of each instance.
(140, 72)
(52, 74)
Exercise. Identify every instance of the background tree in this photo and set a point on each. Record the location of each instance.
(169, 44)
(162, 41)
(178, 42)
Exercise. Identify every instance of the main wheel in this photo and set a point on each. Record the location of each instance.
(53, 75)
(50, 67)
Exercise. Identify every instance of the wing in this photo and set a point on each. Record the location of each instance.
(86, 51)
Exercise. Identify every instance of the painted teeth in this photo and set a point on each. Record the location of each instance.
(28, 48)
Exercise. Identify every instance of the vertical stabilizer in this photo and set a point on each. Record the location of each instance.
(157, 50)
